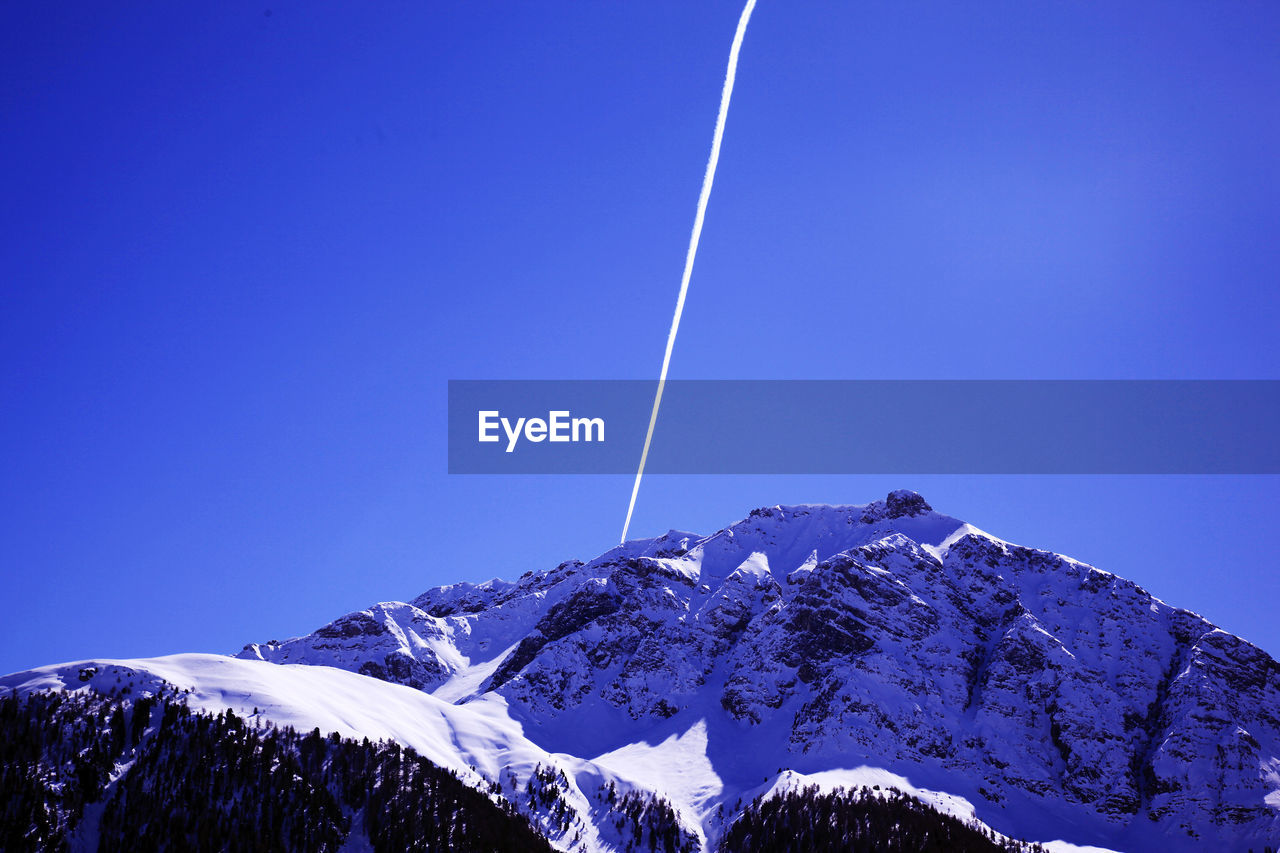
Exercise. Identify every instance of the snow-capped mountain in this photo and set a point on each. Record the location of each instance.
(882, 644)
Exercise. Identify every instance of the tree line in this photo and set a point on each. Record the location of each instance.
(157, 776)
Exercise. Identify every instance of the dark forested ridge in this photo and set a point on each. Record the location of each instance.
(150, 774)
(155, 775)
(857, 821)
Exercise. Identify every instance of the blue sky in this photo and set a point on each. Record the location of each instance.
(246, 246)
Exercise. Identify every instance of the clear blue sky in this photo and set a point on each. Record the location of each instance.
(246, 245)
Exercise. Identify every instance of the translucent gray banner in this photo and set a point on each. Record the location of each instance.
(867, 427)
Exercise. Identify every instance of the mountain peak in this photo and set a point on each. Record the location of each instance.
(828, 636)
(904, 502)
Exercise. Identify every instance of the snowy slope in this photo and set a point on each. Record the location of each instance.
(478, 741)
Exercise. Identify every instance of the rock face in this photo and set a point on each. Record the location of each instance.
(1062, 700)
(391, 641)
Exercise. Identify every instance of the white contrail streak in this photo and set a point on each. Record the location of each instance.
(725, 94)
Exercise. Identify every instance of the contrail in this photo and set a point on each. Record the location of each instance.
(725, 94)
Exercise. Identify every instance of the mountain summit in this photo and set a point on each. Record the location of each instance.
(1062, 700)
(802, 648)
